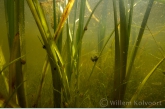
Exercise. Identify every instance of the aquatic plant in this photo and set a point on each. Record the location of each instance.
(15, 27)
(64, 52)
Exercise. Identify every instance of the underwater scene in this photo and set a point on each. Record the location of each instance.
(82, 53)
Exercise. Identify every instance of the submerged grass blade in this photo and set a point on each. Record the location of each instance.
(8, 100)
(92, 13)
(123, 45)
(56, 61)
(161, 50)
(14, 68)
(11, 104)
(10, 64)
(102, 28)
(44, 71)
(63, 19)
(54, 14)
(117, 56)
(90, 10)
(100, 54)
(20, 27)
(68, 53)
(78, 43)
(125, 32)
(134, 97)
(130, 18)
(86, 25)
(74, 21)
(135, 49)
(15, 28)
(9, 12)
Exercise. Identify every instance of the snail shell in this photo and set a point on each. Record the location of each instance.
(23, 62)
(94, 58)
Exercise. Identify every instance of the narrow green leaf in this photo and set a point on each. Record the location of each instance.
(136, 94)
(10, 64)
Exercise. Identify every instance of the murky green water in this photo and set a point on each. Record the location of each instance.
(101, 83)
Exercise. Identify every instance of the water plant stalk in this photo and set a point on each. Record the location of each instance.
(138, 40)
(102, 28)
(117, 56)
(55, 59)
(9, 12)
(75, 15)
(64, 16)
(10, 97)
(5, 101)
(123, 46)
(44, 71)
(136, 94)
(20, 24)
(54, 15)
(78, 43)
(69, 44)
(9, 9)
(15, 26)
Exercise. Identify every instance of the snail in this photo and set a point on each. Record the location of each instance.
(65, 104)
(43, 46)
(23, 62)
(94, 58)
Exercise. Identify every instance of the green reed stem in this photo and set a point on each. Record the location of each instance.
(9, 12)
(117, 56)
(106, 42)
(54, 14)
(78, 41)
(124, 41)
(102, 28)
(69, 44)
(10, 64)
(141, 31)
(20, 26)
(64, 16)
(10, 97)
(56, 61)
(15, 27)
(127, 24)
(44, 71)
(9, 9)
(130, 18)
(85, 27)
(74, 19)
